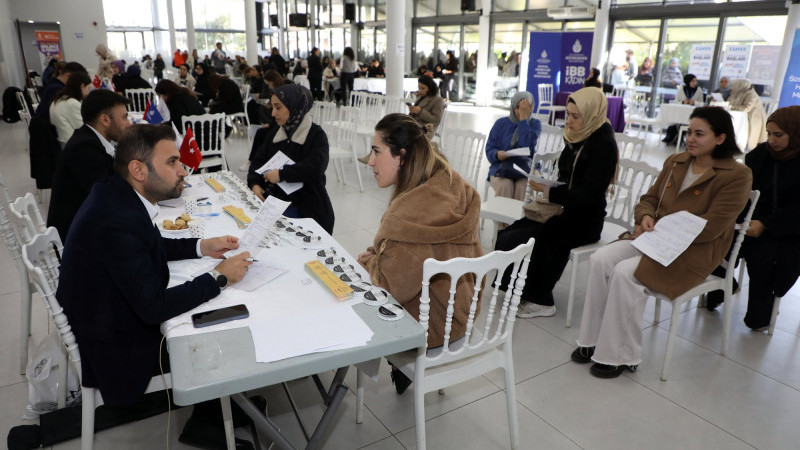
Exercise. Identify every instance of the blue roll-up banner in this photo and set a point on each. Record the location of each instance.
(576, 55)
(560, 59)
(790, 93)
(544, 62)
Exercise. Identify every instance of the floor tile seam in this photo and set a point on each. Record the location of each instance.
(390, 436)
(518, 382)
(22, 381)
(548, 423)
(686, 409)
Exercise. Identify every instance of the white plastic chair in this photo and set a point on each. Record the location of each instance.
(341, 142)
(712, 283)
(508, 210)
(437, 135)
(394, 105)
(12, 241)
(551, 140)
(148, 75)
(630, 148)
(38, 257)
(465, 149)
(209, 132)
(546, 98)
(139, 99)
(484, 347)
(242, 116)
(633, 180)
(637, 115)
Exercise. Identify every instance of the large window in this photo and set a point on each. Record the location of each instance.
(757, 42)
(425, 55)
(685, 37)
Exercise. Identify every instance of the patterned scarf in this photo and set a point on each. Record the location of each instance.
(298, 101)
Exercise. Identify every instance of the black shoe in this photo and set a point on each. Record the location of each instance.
(606, 371)
(716, 298)
(582, 355)
(400, 380)
(211, 436)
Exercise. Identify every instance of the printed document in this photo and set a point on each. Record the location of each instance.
(520, 151)
(277, 162)
(262, 224)
(672, 236)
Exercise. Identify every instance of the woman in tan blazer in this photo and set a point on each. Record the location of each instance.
(705, 181)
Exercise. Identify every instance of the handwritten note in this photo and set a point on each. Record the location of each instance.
(672, 236)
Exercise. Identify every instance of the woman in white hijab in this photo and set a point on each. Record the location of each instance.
(744, 98)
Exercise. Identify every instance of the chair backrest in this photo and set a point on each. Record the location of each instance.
(394, 105)
(342, 132)
(139, 99)
(26, 217)
(23, 102)
(545, 91)
(34, 94)
(245, 94)
(464, 150)
(148, 75)
(357, 98)
(551, 140)
(634, 178)
(327, 113)
(316, 112)
(40, 257)
(491, 267)
(544, 165)
(440, 128)
(372, 109)
(737, 243)
(630, 147)
(208, 131)
(6, 227)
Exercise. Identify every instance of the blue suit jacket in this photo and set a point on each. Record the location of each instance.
(113, 288)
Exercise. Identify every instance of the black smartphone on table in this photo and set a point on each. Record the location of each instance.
(222, 315)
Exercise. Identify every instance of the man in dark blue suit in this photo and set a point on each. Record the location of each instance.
(87, 157)
(114, 274)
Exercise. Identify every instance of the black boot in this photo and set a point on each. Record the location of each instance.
(400, 380)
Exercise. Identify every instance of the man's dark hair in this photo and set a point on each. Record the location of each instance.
(74, 67)
(100, 101)
(138, 143)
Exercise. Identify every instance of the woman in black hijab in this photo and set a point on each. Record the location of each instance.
(306, 144)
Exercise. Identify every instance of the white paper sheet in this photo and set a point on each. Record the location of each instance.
(312, 331)
(277, 162)
(267, 215)
(258, 274)
(672, 236)
(519, 151)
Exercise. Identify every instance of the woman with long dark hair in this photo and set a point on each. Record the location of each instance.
(349, 69)
(65, 112)
(706, 181)
(180, 102)
(429, 107)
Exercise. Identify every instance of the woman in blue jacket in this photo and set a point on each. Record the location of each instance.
(518, 130)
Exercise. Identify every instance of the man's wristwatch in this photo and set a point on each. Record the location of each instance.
(222, 280)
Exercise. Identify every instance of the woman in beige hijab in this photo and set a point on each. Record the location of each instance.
(744, 98)
(104, 69)
(586, 167)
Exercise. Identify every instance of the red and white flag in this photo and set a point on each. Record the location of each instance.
(190, 152)
(96, 82)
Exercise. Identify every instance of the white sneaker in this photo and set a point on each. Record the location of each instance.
(527, 310)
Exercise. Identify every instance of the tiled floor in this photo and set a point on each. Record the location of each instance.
(748, 399)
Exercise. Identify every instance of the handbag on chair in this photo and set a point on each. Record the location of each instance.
(541, 210)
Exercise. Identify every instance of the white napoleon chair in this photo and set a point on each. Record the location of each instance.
(323, 113)
(711, 283)
(39, 259)
(139, 99)
(630, 147)
(546, 98)
(393, 105)
(464, 150)
(487, 343)
(342, 142)
(242, 116)
(551, 140)
(509, 210)
(24, 112)
(209, 132)
(634, 178)
(437, 134)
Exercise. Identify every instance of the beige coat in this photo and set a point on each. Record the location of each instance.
(438, 219)
(719, 195)
(756, 117)
(432, 109)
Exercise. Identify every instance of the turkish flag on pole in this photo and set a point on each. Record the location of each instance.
(190, 152)
(96, 82)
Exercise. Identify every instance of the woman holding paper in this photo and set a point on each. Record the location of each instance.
(706, 181)
(305, 144)
(515, 132)
(433, 213)
(585, 169)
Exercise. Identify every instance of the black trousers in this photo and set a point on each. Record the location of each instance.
(347, 79)
(316, 88)
(550, 254)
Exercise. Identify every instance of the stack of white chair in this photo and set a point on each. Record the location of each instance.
(209, 132)
(637, 115)
(25, 112)
(630, 147)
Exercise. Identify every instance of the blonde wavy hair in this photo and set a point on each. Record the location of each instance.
(421, 159)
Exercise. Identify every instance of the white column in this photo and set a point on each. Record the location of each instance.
(792, 24)
(409, 67)
(312, 18)
(599, 53)
(191, 38)
(173, 42)
(250, 32)
(395, 47)
(282, 27)
(484, 83)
